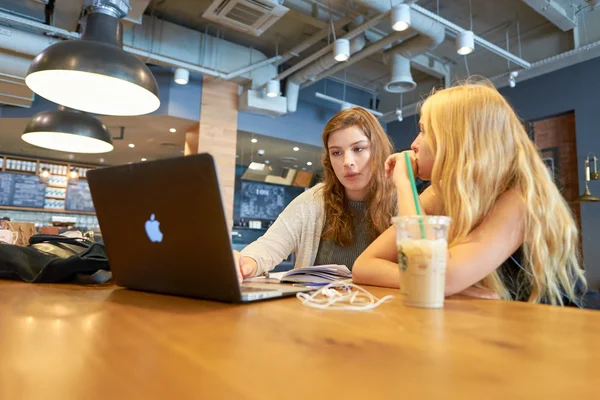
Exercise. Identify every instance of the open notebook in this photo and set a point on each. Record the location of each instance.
(317, 275)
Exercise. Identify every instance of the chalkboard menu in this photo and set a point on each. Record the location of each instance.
(262, 201)
(79, 197)
(21, 190)
(7, 186)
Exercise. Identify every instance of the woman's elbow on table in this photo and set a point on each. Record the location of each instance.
(368, 270)
(360, 271)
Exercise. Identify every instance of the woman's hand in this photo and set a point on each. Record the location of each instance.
(246, 267)
(395, 167)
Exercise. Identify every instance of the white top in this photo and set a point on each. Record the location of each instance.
(297, 230)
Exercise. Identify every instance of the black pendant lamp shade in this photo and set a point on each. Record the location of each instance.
(68, 130)
(95, 74)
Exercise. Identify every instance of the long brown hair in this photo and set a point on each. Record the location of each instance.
(381, 197)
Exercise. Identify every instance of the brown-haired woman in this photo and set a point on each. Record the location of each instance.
(333, 222)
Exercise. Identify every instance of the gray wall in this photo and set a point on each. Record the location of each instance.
(577, 89)
(403, 133)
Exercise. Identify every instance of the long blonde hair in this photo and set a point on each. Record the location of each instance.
(482, 150)
(381, 197)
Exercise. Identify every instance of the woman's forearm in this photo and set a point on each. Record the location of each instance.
(376, 272)
(406, 203)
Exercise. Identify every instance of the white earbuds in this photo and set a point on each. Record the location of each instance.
(340, 296)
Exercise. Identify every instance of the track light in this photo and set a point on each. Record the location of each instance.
(465, 42)
(182, 76)
(341, 50)
(273, 88)
(512, 82)
(400, 17)
(399, 114)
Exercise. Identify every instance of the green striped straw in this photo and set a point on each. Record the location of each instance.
(414, 192)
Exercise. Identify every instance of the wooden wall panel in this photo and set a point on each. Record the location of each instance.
(217, 134)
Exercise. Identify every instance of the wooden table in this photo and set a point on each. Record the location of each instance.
(68, 342)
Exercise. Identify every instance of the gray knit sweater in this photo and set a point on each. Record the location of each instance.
(330, 253)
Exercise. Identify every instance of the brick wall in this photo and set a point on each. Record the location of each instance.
(559, 132)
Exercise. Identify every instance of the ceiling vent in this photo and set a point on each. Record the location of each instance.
(250, 16)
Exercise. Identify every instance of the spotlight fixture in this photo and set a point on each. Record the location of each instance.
(181, 76)
(399, 114)
(273, 88)
(512, 79)
(465, 42)
(400, 17)
(341, 50)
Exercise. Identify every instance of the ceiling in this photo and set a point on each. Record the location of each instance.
(278, 152)
(492, 20)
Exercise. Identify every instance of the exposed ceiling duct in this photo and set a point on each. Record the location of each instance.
(155, 41)
(451, 28)
(401, 80)
(430, 34)
(324, 63)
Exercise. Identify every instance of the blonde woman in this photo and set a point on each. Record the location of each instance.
(334, 222)
(512, 232)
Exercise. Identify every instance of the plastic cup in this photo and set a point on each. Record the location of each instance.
(422, 244)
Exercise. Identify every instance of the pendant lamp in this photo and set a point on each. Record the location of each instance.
(94, 74)
(68, 130)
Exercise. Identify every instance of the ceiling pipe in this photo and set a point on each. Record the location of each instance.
(430, 35)
(455, 29)
(293, 83)
(33, 44)
(327, 49)
(314, 39)
(451, 28)
(401, 79)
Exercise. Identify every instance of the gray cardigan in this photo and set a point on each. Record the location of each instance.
(297, 230)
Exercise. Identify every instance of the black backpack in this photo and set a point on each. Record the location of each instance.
(53, 259)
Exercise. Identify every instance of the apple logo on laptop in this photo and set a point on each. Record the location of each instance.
(153, 230)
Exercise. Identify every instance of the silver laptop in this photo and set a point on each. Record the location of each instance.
(165, 230)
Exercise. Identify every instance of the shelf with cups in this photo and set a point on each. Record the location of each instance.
(30, 184)
(29, 165)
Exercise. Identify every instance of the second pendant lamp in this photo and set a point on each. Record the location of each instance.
(95, 74)
(68, 130)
